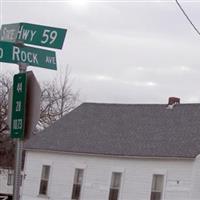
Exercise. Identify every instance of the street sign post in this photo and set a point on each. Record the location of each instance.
(18, 106)
(11, 53)
(12, 50)
(32, 106)
(33, 34)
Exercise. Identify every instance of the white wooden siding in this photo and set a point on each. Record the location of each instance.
(4, 188)
(136, 176)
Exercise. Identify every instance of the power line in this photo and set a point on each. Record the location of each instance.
(187, 17)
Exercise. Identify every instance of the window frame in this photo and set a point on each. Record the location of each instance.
(44, 180)
(154, 190)
(10, 179)
(115, 185)
(78, 174)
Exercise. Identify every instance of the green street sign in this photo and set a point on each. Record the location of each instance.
(18, 106)
(11, 53)
(33, 34)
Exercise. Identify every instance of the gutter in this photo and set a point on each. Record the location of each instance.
(111, 155)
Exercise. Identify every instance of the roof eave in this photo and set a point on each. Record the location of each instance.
(112, 155)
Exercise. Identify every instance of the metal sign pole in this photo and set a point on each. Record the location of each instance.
(18, 155)
(11, 51)
(18, 165)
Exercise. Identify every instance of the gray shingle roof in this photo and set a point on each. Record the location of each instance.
(148, 130)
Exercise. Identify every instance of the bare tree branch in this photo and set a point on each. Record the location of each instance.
(57, 99)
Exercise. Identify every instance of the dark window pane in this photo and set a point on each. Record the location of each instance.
(76, 191)
(155, 196)
(113, 194)
(10, 179)
(115, 185)
(43, 187)
(78, 179)
(157, 187)
(21, 179)
(44, 179)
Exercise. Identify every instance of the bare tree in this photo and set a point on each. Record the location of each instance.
(6, 145)
(5, 83)
(57, 99)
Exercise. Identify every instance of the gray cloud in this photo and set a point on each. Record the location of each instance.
(121, 52)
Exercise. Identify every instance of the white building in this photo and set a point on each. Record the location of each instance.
(6, 183)
(117, 152)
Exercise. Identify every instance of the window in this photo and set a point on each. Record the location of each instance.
(157, 187)
(115, 186)
(78, 180)
(44, 180)
(10, 180)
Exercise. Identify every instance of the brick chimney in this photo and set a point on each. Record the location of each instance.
(172, 102)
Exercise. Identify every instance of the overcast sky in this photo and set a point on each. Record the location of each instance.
(120, 51)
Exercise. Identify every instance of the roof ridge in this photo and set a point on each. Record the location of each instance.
(135, 104)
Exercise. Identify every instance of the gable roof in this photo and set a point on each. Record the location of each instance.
(144, 130)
